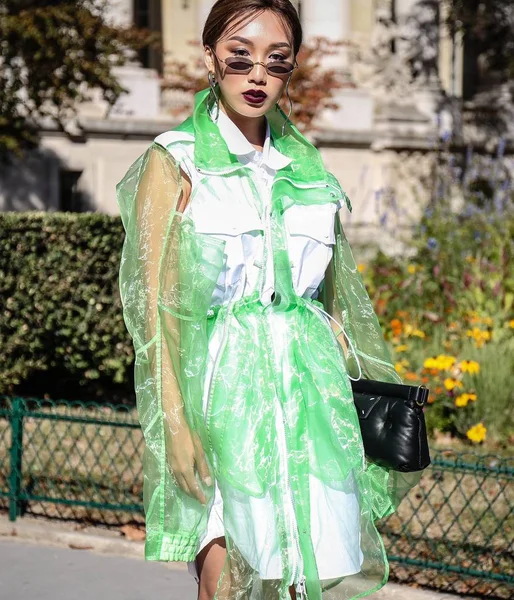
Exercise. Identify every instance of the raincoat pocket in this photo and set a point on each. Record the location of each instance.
(242, 235)
(311, 237)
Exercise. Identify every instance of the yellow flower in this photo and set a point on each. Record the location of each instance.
(401, 348)
(470, 259)
(451, 384)
(419, 333)
(477, 433)
(431, 363)
(469, 366)
(487, 321)
(408, 329)
(511, 323)
(479, 336)
(446, 362)
(442, 362)
(411, 269)
(463, 399)
(361, 267)
(401, 366)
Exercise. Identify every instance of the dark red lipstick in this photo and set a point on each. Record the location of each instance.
(255, 96)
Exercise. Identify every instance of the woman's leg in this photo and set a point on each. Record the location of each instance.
(209, 564)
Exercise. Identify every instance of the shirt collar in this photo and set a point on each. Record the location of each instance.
(240, 146)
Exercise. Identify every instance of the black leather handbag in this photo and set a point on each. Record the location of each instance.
(392, 423)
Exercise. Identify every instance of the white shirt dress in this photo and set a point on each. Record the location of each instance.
(310, 239)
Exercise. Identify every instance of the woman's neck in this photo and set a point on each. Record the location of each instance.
(254, 129)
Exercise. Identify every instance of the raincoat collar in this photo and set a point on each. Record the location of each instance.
(213, 154)
(238, 144)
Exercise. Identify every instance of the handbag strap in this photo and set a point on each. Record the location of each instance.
(350, 343)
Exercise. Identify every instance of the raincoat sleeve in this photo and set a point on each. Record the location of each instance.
(346, 299)
(165, 291)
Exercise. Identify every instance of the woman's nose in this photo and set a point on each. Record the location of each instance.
(258, 73)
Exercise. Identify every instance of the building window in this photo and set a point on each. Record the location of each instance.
(147, 15)
(471, 74)
(70, 197)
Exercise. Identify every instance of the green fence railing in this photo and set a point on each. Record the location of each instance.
(82, 461)
(71, 460)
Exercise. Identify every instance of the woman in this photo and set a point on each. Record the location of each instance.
(234, 268)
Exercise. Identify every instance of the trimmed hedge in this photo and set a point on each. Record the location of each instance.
(62, 332)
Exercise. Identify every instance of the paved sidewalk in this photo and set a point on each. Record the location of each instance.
(53, 573)
(58, 561)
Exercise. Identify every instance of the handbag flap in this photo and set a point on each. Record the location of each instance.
(365, 404)
(412, 393)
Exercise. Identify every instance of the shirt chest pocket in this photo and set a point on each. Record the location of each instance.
(310, 238)
(242, 232)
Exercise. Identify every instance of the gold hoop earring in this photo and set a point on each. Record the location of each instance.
(212, 83)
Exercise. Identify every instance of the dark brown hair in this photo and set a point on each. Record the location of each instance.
(224, 14)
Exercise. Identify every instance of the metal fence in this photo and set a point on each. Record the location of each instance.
(82, 461)
(71, 460)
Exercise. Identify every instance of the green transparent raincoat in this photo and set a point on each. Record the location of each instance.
(278, 426)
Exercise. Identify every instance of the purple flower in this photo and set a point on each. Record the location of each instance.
(501, 148)
(446, 135)
(432, 243)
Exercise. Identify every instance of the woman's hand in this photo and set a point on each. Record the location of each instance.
(184, 451)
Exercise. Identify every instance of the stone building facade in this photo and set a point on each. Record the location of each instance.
(377, 143)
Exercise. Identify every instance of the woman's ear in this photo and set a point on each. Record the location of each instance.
(209, 59)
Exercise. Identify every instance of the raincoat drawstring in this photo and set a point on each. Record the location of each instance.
(350, 344)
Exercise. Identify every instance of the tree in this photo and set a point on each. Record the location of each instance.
(404, 56)
(52, 54)
(487, 27)
(487, 31)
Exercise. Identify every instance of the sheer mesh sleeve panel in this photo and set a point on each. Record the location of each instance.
(165, 292)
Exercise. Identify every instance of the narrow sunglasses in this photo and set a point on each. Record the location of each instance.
(242, 64)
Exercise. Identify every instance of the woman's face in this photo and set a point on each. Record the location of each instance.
(262, 39)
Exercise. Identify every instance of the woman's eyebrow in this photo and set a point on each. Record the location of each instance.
(250, 43)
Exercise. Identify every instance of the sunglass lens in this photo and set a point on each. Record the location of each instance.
(239, 64)
(280, 67)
